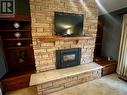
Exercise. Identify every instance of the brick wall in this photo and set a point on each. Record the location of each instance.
(66, 82)
(42, 14)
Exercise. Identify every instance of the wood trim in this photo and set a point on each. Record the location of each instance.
(59, 38)
(18, 39)
(17, 18)
(27, 30)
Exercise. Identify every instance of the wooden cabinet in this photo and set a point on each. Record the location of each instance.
(108, 67)
(18, 50)
(17, 82)
(17, 42)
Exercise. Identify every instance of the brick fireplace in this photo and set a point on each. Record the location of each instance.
(49, 79)
(42, 15)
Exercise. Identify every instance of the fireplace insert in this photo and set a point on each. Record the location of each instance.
(68, 57)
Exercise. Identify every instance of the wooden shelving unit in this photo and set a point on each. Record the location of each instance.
(19, 58)
(59, 38)
(17, 48)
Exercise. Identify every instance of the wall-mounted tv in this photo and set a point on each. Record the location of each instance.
(68, 24)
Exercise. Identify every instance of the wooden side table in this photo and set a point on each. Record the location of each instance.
(108, 67)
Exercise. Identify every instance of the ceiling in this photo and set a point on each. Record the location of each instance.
(106, 6)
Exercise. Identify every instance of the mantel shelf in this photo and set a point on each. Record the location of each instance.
(59, 38)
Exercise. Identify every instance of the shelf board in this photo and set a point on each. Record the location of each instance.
(17, 18)
(59, 38)
(99, 36)
(15, 30)
(17, 39)
(19, 47)
(98, 44)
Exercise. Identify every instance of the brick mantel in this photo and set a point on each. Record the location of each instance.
(42, 15)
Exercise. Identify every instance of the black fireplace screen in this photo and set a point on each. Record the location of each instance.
(68, 57)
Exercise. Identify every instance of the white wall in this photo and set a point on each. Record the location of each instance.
(111, 35)
(106, 6)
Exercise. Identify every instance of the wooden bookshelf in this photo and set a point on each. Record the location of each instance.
(19, 58)
(14, 52)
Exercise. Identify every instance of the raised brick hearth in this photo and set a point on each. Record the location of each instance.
(55, 80)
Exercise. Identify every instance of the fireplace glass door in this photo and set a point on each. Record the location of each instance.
(68, 57)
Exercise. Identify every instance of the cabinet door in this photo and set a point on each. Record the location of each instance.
(3, 68)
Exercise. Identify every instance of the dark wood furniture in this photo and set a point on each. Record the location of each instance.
(17, 80)
(108, 67)
(98, 43)
(18, 51)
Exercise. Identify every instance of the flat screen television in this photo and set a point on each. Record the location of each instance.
(68, 24)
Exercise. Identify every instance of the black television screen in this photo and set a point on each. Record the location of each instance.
(68, 24)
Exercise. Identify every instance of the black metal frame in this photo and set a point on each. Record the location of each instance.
(59, 57)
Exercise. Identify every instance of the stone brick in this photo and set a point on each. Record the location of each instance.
(72, 83)
(47, 44)
(45, 92)
(51, 49)
(39, 87)
(72, 78)
(40, 29)
(40, 51)
(69, 81)
(48, 84)
(59, 82)
(42, 16)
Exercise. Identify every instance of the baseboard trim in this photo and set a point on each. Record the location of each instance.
(122, 77)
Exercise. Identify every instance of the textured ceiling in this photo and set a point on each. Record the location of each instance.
(106, 6)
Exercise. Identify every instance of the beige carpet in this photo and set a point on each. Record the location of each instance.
(108, 85)
(25, 91)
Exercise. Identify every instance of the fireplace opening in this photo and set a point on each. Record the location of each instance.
(68, 57)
